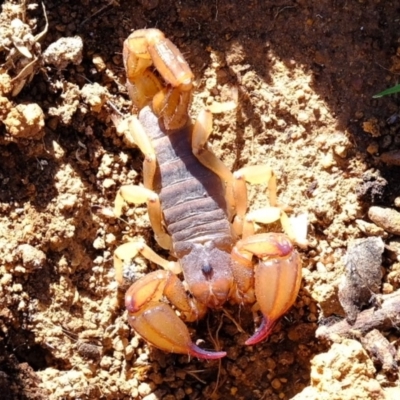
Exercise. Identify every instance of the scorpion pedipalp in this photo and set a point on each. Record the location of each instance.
(157, 322)
(277, 276)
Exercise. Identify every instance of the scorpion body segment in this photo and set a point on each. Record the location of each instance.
(197, 209)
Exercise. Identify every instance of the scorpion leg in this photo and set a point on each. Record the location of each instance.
(156, 321)
(277, 276)
(255, 175)
(295, 228)
(201, 132)
(138, 195)
(128, 251)
(138, 136)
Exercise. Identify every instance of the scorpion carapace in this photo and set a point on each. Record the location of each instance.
(197, 209)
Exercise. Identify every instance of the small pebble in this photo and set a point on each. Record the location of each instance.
(276, 384)
(387, 218)
(387, 288)
(32, 258)
(373, 148)
(64, 51)
(370, 229)
(340, 150)
(99, 243)
(108, 183)
(328, 161)
(89, 351)
(98, 62)
(303, 117)
(145, 388)
(363, 275)
(151, 396)
(25, 121)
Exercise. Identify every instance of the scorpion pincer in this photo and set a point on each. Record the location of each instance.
(197, 209)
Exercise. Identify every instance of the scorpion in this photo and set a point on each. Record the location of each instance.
(197, 209)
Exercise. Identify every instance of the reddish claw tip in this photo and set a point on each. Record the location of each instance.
(198, 352)
(262, 332)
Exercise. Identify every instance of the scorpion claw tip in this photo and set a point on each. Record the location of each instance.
(198, 352)
(262, 332)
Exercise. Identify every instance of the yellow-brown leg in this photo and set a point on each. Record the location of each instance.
(130, 250)
(138, 136)
(201, 132)
(295, 228)
(133, 194)
(254, 175)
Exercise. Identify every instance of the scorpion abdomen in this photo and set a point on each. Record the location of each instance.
(191, 195)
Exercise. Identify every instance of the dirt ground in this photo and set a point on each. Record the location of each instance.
(305, 72)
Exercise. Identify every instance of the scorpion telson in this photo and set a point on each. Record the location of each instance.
(197, 209)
